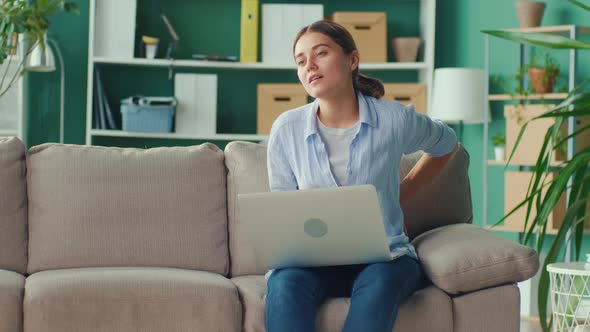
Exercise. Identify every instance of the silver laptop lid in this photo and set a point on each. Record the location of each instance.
(315, 227)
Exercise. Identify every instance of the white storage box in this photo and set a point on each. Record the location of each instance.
(280, 24)
(114, 34)
(196, 112)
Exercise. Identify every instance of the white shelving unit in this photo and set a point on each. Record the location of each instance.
(570, 31)
(11, 104)
(425, 70)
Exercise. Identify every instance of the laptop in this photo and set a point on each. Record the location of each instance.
(315, 227)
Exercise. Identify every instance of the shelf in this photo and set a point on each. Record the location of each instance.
(555, 29)
(8, 132)
(502, 228)
(503, 163)
(217, 137)
(547, 96)
(243, 65)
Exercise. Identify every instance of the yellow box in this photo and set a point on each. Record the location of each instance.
(407, 93)
(274, 99)
(369, 30)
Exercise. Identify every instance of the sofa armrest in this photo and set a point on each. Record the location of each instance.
(462, 258)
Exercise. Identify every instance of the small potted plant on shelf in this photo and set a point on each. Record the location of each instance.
(543, 75)
(529, 13)
(499, 141)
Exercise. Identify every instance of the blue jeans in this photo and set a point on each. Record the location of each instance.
(376, 291)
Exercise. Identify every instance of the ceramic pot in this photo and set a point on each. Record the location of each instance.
(529, 13)
(499, 152)
(405, 49)
(542, 81)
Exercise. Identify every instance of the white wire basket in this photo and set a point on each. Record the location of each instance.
(570, 296)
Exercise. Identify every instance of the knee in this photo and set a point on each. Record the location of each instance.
(387, 278)
(378, 278)
(291, 281)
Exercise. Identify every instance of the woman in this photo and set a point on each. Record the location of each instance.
(348, 136)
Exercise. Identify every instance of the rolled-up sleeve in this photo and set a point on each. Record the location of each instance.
(434, 137)
(280, 173)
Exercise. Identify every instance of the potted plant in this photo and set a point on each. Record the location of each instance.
(499, 141)
(529, 13)
(543, 75)
(572, 178)
(19, 17)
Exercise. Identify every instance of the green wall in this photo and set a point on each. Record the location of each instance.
(459, 43)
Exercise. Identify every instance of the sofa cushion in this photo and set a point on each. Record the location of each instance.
(488, 310)
(463, 258)
(13, 205)
(429, 302)
(445, 200)
(131, 299)
(246, 173)
(93, 206)
(12, 289)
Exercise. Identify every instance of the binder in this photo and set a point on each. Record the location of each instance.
(196, 113)
(115, 22)
(249, 31)
(280, 25)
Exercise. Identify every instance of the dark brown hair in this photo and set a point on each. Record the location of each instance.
(366, 85)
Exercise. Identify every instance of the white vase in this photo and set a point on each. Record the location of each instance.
(499, 152)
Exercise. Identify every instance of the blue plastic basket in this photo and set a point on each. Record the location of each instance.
(147, 118)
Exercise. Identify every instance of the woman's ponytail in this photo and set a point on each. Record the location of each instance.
(367, 85)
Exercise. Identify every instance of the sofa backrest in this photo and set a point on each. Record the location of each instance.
(447, 200)
(92, 206)
(13, 205)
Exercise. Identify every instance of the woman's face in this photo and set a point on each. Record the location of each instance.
(322, 67)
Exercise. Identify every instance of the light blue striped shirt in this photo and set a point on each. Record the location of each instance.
(297, 157)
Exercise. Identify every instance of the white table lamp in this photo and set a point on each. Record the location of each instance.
(43, 61)
(459, 96)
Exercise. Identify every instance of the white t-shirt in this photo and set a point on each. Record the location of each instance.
(337, 142)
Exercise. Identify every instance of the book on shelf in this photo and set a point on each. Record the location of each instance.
(103, 114)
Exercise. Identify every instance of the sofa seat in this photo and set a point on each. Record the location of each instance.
(429, 309)
(12, 288)
(130, 299)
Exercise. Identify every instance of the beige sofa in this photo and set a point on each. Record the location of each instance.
(111, 239)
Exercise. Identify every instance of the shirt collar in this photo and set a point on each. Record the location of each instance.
(367, 114)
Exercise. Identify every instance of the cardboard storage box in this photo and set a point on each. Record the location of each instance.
(369, 30)
(274, 99)
(280, 25)
(407, 93)
(515, 189)
(532, 139)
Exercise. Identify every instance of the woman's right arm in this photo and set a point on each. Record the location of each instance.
(280, 173)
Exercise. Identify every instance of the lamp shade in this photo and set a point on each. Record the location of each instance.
(459, 95)
(41, 60)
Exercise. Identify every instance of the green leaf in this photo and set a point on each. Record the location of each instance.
(581, 159)
(579, 4)
(552, 254)
(516, 143)
(539, 39)
(579, 227)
